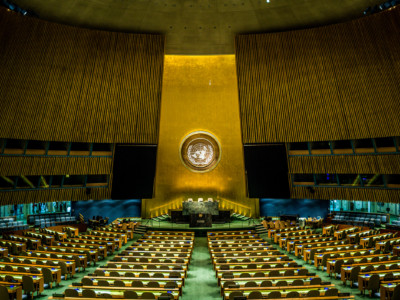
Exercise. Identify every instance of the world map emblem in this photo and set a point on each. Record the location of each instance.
(200, 151)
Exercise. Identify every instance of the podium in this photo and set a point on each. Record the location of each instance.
(200, 212)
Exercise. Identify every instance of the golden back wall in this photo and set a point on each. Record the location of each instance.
(199, 94)
(63, 83)
(328, 83)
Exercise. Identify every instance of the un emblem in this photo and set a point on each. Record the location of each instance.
(200, 151)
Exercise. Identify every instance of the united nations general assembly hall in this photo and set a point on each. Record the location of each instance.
(199, 149)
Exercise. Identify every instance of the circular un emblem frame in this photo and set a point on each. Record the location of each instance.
(200, 151)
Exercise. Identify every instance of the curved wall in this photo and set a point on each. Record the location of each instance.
(327, 83)
(338, 82)
(68, 84)
(65, 83)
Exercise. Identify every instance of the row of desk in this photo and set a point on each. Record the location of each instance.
(247, 266)
(150, 267)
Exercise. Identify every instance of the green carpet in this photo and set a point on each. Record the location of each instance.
(201, 282)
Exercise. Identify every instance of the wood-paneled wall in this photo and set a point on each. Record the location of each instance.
(63, 83)
(345, 164)
(20, 165)
(70, 194)
(327, 83)
(366, 194)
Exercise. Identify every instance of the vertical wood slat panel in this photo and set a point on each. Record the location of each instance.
(64, 83)
(76, 194)
(328, 83)
(14, 166)
(345, 164)
(375, 195)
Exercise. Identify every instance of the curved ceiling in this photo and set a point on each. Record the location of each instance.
(198, 26)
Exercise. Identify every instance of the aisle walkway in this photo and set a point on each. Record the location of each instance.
(201, 283)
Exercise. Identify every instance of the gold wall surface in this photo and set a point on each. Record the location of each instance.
(199, 94)
(327, 83)
(62, 83)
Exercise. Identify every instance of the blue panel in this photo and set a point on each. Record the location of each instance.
(108, 208)
(301, 207)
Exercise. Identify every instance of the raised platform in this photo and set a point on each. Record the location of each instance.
(201, 231)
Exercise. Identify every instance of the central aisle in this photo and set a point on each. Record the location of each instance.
(201, 283)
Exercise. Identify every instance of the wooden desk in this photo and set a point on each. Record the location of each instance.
(277, 236)
(102, 250)
(48, 239)
(117, 241)
(163, 237)
(151, 242)
(172, 233)
(272, 232)
(151, 254)
(318, 256)
(55, 270)
(128, 280)
(283, 241)
(20, 246)
(365, 240)
(14, 289)
(327, 230)
(346, 270)
(35, 242)
(247, 259)
(38, 279)
(339, 233)
(128, 232)
(235, 242)
(388, 287)
(146, 266)
(111, 246)
(256, 266)
(307, 252)
(61, 235)
(233, 237)
(242, 281)
(298, 249)
(245, 253)
(291, 242)
(330, 263)
(70, 263)
(302, 290)
(232, 249)
(237, 273)
(381, 244)
(363, 278)
(118, 292)
(73, 230)
(94, 254)
(160, 249)
(122, 272)
(139, 259)
(3, 252)
(83, 258)
(122, 236)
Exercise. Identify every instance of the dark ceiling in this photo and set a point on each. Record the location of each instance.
(198, 26)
